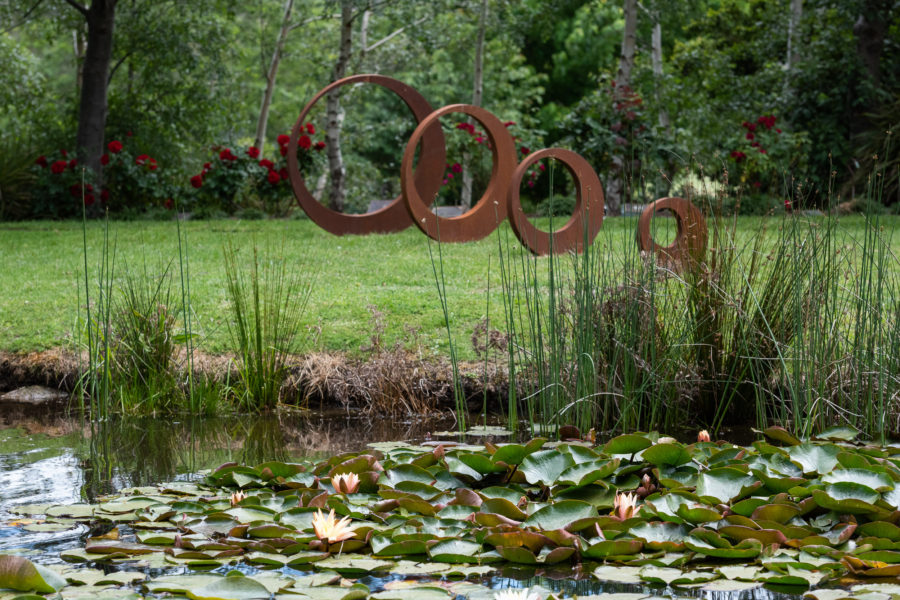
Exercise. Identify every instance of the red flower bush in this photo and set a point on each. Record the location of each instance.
(776, 153)
(232, 180)
(58, 167)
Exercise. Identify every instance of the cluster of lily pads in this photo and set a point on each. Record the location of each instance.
(799, 515)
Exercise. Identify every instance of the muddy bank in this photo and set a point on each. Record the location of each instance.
(393, 382)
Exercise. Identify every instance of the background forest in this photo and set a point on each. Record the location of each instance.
(175, 104)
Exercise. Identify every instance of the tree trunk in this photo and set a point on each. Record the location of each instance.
(93, 107)
(656, 43)
(262, 122)
(477, 98)
(869, 29)
(334, 115)
(615, 192)
(629, 41)
(792, 56)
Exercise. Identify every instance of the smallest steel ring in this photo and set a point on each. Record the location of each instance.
(690, 241)
(588, 206)
(490, 210)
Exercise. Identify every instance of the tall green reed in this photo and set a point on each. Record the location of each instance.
(267, 303)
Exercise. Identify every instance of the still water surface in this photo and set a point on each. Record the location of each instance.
(45, 459)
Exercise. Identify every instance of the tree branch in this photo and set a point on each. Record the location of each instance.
(312, 19)
(79, 7)
(394, 34)
(24, 17)
(117, 65)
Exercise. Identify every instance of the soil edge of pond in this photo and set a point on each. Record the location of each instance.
(387, 382)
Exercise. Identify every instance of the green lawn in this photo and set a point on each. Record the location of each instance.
(42, 263)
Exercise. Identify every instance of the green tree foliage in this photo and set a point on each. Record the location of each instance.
(189, 76)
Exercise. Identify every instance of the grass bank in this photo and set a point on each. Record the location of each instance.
(392, 274)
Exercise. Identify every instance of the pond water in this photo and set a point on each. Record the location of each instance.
(47, 459)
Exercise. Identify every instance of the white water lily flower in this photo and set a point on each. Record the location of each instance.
(329, 529)
(345, 483)
(520, 594)
(625, 506)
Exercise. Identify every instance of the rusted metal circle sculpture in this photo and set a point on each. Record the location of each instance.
(490, 210)
(588, 211)
(394, 216)
(421, 181)
(690, 240)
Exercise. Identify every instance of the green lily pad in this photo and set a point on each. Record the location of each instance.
(560, 515)
(725, 484)
(879, 482)
(846, 497)
(815, 458)
(629, 443)
(18, 573)
(230, 588)
(454, 551)
(545, 466)
(667, 454)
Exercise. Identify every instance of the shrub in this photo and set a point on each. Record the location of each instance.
(229, 181)
(58, 190)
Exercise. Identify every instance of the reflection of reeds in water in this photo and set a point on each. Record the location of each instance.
(144, 451)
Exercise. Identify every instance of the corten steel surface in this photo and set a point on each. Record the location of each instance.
(490, 210)
(690, 241)
(588, 206)
(394, 216)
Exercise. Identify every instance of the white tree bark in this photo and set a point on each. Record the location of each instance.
(615, 192)
(656, 44)
(271, 73)
(629, 42)
(793, 55)
(477, 98)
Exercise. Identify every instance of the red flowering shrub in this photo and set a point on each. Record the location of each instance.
(57, 192)
(465, 138)
(232, 180)
(132, 182)
(765, 156)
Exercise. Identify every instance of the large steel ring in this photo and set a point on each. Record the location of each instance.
(588, 206)
(490, 210)
(394, 216)
(690, 240)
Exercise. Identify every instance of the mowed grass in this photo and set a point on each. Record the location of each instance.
(42, 268)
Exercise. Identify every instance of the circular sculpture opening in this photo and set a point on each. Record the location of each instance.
(587, 217)
(690, 239)
(490, 210)
(394, 216)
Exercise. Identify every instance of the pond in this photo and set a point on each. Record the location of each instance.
(48, 461)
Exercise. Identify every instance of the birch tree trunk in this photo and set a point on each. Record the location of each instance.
(262, 122)
(792, 56)
(334, 115)
(656, 48)
(615, 192)
(477, 98)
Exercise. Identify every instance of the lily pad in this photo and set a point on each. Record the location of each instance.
(18, 573)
